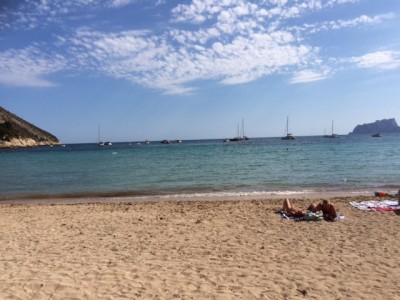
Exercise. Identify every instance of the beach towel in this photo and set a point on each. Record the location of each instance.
(313, 216)
(284, 216)
(386, 205)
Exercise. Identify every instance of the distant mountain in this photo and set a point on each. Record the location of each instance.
(380, 126)
(16, 132)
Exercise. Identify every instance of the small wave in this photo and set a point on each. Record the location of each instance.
(213, 195)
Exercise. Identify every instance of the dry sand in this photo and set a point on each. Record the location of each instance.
(196, 250)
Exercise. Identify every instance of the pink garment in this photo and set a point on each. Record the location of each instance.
(384, 208)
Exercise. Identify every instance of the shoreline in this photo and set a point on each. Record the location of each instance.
(211, 196)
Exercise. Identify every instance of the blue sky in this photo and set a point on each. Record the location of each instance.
(194, 69)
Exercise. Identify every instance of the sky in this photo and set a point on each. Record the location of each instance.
(166, 69)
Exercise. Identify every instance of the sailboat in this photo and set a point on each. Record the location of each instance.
(237, 138)
(288, 135)
(99, 142)
(240, 135)
(332, 135)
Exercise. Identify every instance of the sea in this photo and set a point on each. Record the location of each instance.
(194, 168)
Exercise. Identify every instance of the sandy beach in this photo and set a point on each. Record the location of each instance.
(237, 249)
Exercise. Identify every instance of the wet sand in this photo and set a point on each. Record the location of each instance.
(236, 249)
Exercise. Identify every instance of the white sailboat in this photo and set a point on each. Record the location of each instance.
(288, 135)
(332, 135)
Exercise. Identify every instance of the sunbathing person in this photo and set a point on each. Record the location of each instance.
(292, 211)
(327, 208)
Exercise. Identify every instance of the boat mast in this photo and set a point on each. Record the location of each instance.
(287, 124)
(99, 142)
(242, 128)
(98, 134)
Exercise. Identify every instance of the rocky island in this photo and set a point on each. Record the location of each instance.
(379, 126)
(16, 132)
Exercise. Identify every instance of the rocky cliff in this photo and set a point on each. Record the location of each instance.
(380, 126)
(16, 132)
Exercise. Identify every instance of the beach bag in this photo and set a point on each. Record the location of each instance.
(313, 216)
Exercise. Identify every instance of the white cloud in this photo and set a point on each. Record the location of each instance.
(29, 15)
(334, 2)
(28, 67)
(225, 10)
(154, 62)
(340, 24)
(25, 80)
(304, 76)
(228, 41)
(383, 60)
(120, 3)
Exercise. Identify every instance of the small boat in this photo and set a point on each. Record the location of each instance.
(288, 135)
(376, 135)
(171, 142)
(235, 139)
(99, 143)
(332, 135)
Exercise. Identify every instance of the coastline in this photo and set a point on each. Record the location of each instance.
(196, 249)
(124, 197)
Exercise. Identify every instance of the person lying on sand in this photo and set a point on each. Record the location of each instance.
(291, 210)
(327, 208)
(384, 195)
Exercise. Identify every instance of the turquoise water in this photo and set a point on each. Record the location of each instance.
(263, 165)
